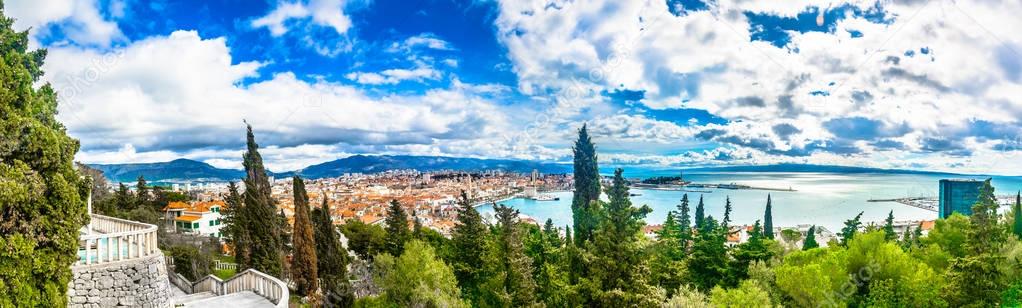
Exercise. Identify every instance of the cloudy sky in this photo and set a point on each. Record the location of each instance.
(913, 84)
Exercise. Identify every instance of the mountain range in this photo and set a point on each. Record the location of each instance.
(185, 170)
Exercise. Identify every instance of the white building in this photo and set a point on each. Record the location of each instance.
(201, 218)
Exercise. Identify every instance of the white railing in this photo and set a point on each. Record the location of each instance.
(109, 239)
(252, 280)
(217, 264)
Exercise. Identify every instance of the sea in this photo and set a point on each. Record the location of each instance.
(823, 199)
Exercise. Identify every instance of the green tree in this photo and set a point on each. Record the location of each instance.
(365, 240)
(550, 233)
(512, 278)
(700, 214)
(810, 241)
(587, 187)
(1017, 220)
(619, 264)
(468, 237)
(754, 249)
(417, 279)
(889, 233)
(684, 225)
(263, 223)
(42, 196)
(123, 198)
(332, 259)
(748, 294)
(725, 224)
(975, 279)
(850, 229)
(397, 229)
(142, 195)
(235, 226)
(304, 263)
(707, 263)
(768, 220)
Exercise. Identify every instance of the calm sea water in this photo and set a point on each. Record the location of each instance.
(825, 199)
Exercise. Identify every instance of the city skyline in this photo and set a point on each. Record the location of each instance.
(918, 85)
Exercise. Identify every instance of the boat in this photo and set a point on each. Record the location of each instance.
(545, 198)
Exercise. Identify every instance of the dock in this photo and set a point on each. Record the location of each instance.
(916, 202)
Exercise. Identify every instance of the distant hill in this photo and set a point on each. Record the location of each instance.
(182, 170)
(812, 168)
(178, 170)
(381, 163)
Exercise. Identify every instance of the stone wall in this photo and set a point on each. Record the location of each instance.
(129, 283)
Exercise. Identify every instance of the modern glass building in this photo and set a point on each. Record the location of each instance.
(958, 196)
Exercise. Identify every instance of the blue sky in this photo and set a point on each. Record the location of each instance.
(916, 84)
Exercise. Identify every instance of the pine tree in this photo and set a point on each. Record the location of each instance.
(142, 192)
(235, 226)
(707, 264)
(123, 198)
(587, 187)
(260, 214)
(700, 214)
(1017, 229)
(332, 259)
(889, 233)
(985, 236)
(684, 234)
(754, 249)
(768, 220)
(304, 263)
(42, 195)
(516, 267)
(468, 238)
(618, 260)
(397, 229)
(550, 233)
(850, 229)
(810, 241)
(918, 233)
(906, 239)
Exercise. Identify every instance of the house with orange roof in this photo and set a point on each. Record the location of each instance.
(199, 217)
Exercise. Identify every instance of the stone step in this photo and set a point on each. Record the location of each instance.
(191, 298)
(243, 299)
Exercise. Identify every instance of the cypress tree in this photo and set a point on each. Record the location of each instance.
(752, 250)
(332, 259)
(906, 239)
(260, 213)
(768, 220)
(700, 214)
(397, 229)
(725, 224)
(1017, 229)
(468, 238)
(304, 264)
(587, 187)
(516, 266)
(810, 241)
(42, 195)
(684, 225)
(889, 233)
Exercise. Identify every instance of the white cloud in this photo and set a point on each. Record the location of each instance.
(182, 93)
(707, 60)
(78, 20)
(324, 13)
(394, 76)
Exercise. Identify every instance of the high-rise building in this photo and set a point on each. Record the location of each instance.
(958, 196)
